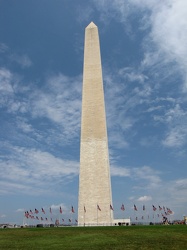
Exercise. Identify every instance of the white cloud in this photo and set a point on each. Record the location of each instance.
(131, 75)
(56, 207)
(176, 191)
(28, 170)
(175, 114)
(3, 47)
(169, 31)
(175, 118)
(10, 87)
(143, 177)
(65, 209)
(176, 137)
(119, 171)
(60, 102)
(181, 184)
(5, 79)
(20, 210)
(120, 118)
(115, 138)
(145, 198)
(177, 133)
(164, 45)
(151, 109)
(166, 23)
(149, 176)
(24, 126)
(23, 60)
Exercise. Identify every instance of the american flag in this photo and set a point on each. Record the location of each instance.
(169, 211)
(36, 211)
(27, 214)
(60, 210)
(111, 207)
(122, 207)
(154, 208)
(72, 210)
(98, 207)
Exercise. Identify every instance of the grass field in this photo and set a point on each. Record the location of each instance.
(114, 238)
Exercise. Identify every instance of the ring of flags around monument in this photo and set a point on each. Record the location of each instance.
(41, 216)
(46, 216)
(159, 212)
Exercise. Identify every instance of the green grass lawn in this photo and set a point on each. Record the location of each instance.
(132, 237)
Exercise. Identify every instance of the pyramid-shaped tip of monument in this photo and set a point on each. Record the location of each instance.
(91, 26)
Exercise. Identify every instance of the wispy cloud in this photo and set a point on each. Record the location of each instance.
(176, 137)
(119, 171)
(60, 105)
(145, 198)
(28, 170)
(176, 191)
(23, 60)
(124, 102)
(175, 119)
(165, 23)
(143, 177)
(65, 209)
(54, 102)
(149, 176)
(3, 48)
(6, 79)
(164, 62)
(20, 210)
(131, 75)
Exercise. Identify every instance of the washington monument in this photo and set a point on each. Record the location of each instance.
(95, 198)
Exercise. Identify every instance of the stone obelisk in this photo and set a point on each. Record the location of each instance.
(95, 198)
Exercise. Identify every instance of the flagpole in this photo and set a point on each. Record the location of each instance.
(134, 213)
(84, 215)
(97, 214)
(71, 217)
(123, 212)
(23, 219)
(153, 218)
(110, 215)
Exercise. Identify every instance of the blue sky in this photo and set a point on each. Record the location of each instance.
(144, 58)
